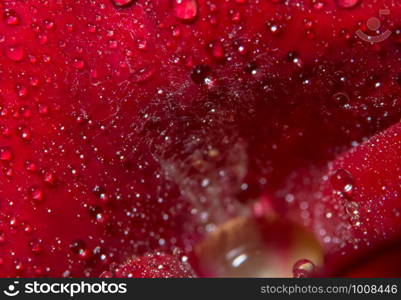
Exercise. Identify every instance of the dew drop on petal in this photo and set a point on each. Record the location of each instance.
(341, 97)
(2, 237)
(11, 18)
(142, 74)
(21, 91)
(79, 63)
(49, 178)
(77, 246)
(245, 247)
(30, 166)
(36, 246)
(15, 53)
(216, 50)
(5, 154)
(201, 74)
(36, 194)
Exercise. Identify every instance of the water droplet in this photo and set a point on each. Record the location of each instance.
(42, 38)
(79, 247)
(9, 172)
(2, 237)
(318, 5)
(92, 28)
(352, 209)
(28, 228)
(19, 266)
(14, 222)
(43, 109)
(186, 9)
(235, 16)
(251, 68)
(341, 97)
(49, 24)
(36, 194)
(216, 50)
(100, 193)
(49, 178)
(5, 154)
(11, 17)
(15, 53)
(274, 27)
(242, 49)
(6, 131)
(113, 44)
(30, 166)
(246, 247)
(176, 32)
(123, 3)
(32, 59)
(46, 58)
(201, 74)
(34, 81)
(70, 27)
(36, 246)
(303, 268)
(347, 3)
(342, 181)
(398, 79)
(293, 57)
(142, 44)
(142, 74)
(24, 133)
(21, 90)
(78, 64)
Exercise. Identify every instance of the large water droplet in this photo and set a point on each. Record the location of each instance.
(342, 181)
(186, 9)
(347, 3)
